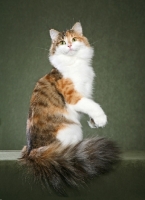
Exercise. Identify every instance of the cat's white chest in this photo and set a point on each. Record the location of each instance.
(82, 78)
(77, 68)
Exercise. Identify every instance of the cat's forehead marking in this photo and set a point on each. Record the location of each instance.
(65, 35)
(69, 34)
(61, 36)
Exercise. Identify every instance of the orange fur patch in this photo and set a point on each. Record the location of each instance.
(66, 87)
(71, 34)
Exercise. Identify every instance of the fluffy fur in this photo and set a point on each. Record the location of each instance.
(56, 151)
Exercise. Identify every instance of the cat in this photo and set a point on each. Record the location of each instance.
(56, 151)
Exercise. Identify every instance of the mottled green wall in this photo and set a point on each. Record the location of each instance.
(116, 29)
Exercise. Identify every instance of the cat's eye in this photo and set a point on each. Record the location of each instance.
(62, 42)
(74, 39)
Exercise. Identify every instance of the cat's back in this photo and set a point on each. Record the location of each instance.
(47, 107)
(46, 93)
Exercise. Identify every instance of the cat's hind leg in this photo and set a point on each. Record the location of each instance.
(71, 134)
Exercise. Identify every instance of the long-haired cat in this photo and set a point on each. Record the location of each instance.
(56, 151)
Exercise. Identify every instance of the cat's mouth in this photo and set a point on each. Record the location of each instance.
(71, 51)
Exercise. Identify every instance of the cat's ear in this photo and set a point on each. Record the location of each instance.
(53, 34)
(78, 28)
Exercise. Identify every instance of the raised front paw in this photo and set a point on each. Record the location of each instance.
(99, 121)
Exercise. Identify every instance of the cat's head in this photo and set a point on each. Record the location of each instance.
(69, 42)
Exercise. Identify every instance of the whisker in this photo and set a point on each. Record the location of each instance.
(43, 48)
(94, 42)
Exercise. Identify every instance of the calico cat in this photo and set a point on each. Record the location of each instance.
(56, 151)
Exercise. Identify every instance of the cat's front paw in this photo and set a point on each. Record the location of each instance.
(92, 123)
(100, 121)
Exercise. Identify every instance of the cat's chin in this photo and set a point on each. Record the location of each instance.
(71, 52)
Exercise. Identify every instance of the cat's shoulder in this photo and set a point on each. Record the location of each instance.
(53, 76)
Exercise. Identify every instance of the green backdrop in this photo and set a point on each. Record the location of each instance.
(116, 30)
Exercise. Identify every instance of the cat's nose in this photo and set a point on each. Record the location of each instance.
(69, 45)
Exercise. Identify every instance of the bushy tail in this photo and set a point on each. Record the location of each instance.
(56, 165)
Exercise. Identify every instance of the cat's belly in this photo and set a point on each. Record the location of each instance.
(72, 133)
(72, 115)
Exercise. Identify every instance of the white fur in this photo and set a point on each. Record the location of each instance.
(88, 106)
(75, 63)
(72, 114)
(72, 134)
